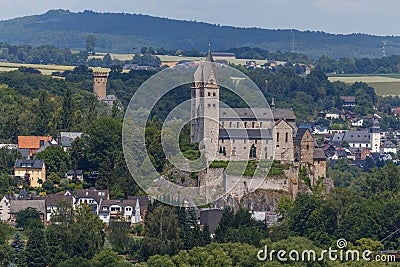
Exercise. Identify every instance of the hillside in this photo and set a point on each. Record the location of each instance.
(123, 32)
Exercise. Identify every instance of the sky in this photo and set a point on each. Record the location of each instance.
(378, 17)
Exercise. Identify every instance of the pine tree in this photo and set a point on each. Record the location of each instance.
(36, 252)
(18, 247)
(206, 234)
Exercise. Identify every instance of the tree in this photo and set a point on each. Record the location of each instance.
(56, 159)
(108, 258)
(161, 232)
(90, 43)
(18, 247)
(67, 110)
(119, 236)
(36, 252)
(28, 218)
(74, 233)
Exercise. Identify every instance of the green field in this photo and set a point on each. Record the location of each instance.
(384, 85)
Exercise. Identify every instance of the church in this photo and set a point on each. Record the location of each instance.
(246, 133)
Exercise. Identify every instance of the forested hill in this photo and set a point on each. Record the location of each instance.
(122, 32)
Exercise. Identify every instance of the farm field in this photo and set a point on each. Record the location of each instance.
(384, 85)
(172, 59)
(44, 69)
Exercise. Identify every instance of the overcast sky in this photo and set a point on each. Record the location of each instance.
(379, 17)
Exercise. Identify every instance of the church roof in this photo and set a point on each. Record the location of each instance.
(251, 134)
(319, 154)
(257, 113)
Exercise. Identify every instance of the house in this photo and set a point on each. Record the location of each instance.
(357, 122)
(396, 111)
(76, 175)
(29, 145)
(66, 139)
(333, 113)
(210, 217)
(131, 210)
(319, 129)
(91, 197)
(33, 171)
(389, 147)
(52, 201)
(348, 101)
(19, 205)
(5, 203)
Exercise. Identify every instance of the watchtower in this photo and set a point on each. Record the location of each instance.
(100, 84)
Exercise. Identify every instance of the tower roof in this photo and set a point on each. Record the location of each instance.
(209, 54)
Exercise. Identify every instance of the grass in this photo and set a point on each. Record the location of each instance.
(384, 89)
(236, 167)
(387, 84)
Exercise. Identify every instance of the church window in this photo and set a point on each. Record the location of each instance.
(233, 141)
(230, 125)
(222, 141)
(245, 148)
(260, 124)
(255, 141)
(308, 147)
(237, 125)
(277, 137)
(245, 124)
(209, 105)
(286, 137)
(244, 141)
(223, 124)
(214, 94)
(209, 94)
(214, 106)
(253, 124)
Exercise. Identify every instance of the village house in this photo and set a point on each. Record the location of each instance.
(348, 101)
(76, 175)
(333, 113)
(131, 210)
(29, 145)
(19, 205)
(33, 171)
(91, 197)
(66, 139)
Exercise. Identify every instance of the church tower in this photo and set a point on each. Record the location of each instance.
(205, 106)
(100, 84)
(375, 136)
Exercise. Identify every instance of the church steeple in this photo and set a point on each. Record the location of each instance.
(209, 54)
(273, 103)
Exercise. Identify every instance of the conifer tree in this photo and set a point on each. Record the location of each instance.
(18, 247)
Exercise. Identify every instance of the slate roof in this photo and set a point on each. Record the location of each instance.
(18, 205)
(73, 172)
(348, 99)
(356, 137)
(319, 154)
(210, 217)
(68, 137)
(54, 199)
(249, 133)
(257, 113)
(300, 133)
(29, 164)
(97, 195)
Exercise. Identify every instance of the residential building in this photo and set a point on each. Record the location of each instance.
(29, 145)
(333, 113)
(211, 217)
(389, 147)
(19, 205)
(91, 197)
(33, 171)
(131, 210)
(66, 139)
(74, 175)
(348, 101)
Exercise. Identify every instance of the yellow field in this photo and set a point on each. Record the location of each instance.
(383, 86)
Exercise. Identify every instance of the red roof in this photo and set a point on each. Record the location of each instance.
(32, 142)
